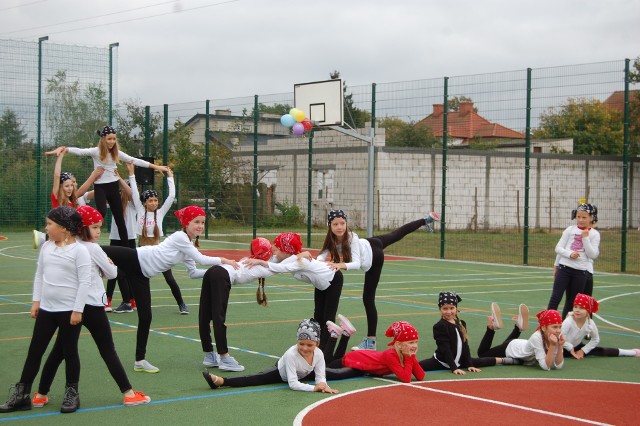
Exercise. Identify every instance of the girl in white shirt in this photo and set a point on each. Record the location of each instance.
(143, 263)
(60, 291)
(94, 318)
(349, 252)
(107, 155)
(544, 346)
(301, 361)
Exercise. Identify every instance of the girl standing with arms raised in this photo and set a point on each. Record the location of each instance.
(60, 292)
(149, 225)
(143, 263)
(107, 155)
(349, 252)
(94, 319)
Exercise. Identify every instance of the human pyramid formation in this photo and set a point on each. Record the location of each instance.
(68, 292)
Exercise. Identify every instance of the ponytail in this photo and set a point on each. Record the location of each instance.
(261, 296)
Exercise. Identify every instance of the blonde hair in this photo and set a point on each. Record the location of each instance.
(105, 152)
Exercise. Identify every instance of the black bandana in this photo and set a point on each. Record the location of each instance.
(65, 176)
(591, 209)
(334, 214)
(148, 194)
(67, 217)
(448, 298)
(309, 329)
(106, 130)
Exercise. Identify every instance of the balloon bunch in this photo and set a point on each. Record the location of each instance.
(297, 121)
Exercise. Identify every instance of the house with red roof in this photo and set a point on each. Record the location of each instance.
(466, 125)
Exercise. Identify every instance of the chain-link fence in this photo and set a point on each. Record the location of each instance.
(503, 158)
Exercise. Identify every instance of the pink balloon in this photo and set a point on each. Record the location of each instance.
(298, 129)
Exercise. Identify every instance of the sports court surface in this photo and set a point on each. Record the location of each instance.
(591, 391)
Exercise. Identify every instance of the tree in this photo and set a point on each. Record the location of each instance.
(74, 113)
(454, 103)
(352, 115)
(278, 109)
(399, 133)
(131, 129)
(11, 134)
(594, 128)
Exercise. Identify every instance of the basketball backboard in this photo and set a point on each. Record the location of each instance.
(321, 101)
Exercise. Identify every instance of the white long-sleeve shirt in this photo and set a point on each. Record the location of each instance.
(63, 277)
(574, 334)
(99, 262)
(145, 218)
(313, 271)
(130, 218)
(531, 350)
(293, 367)
(246, 274)
(109, 165)
(361, 254)
(572, 241)
(174, 249)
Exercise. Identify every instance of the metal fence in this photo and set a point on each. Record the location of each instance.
(505, 201)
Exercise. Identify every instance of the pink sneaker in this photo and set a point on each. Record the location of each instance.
(347, 328)
(334, 329)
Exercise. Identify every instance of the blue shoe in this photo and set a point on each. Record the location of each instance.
(428, 221)
(229, 363)
(367, 343)
(211, 359)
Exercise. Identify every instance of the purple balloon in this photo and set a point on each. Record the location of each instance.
(298, 129)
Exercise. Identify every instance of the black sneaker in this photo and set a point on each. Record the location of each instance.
(71, 401)
(123, 308)
(183, 309)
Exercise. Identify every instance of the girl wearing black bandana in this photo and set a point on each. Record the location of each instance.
(348, 252)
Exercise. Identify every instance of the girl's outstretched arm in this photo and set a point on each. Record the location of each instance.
(57, 170)
(95, 174)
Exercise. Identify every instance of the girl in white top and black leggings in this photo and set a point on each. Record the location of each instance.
(145, 262)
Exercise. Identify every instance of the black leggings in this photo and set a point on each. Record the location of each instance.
(110, 192)
(123, 284)
(597, 351)
(266, 377)
(173, 285)
(126, 259)
(43, 330)
(214, 299)
(569, 280)
(372, 276)
(326, 305)
(485, 349)
(432, 364)
(95, 319)
(333, 360)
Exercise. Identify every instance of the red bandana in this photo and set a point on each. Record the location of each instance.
(288, 242)
(261, 249)
(549, 317)
(587, 302)
(401, 331)
(90, 216)
(187, 214)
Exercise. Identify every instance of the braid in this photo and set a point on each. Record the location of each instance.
(463, 329)
(156, 231)
(144, 222)
(261, 296)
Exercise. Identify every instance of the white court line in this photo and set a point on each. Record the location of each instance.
(613, 323)
(300, 416)
(16, 257)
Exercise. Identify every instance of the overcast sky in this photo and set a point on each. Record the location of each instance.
(191, 50)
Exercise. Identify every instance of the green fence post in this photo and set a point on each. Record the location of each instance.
(625, 169)
(147, 129)
(165, 151)
(309, 187)
(254, 198)
(527, 167)
(38, 219)
(207, 153)
(443, 206)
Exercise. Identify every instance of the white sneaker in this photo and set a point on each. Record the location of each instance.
(211, 359)
(496, 317)
(145, 366)
(345, 324)
(229, 363)
(38, 239)
(523, 317)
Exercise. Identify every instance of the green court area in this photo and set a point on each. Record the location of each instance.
(258, 336)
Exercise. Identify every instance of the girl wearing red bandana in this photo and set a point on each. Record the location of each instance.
(399, 360)
(578, 325)
(577, 249)
(544, 346)
(214, 300)
(143, 263)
